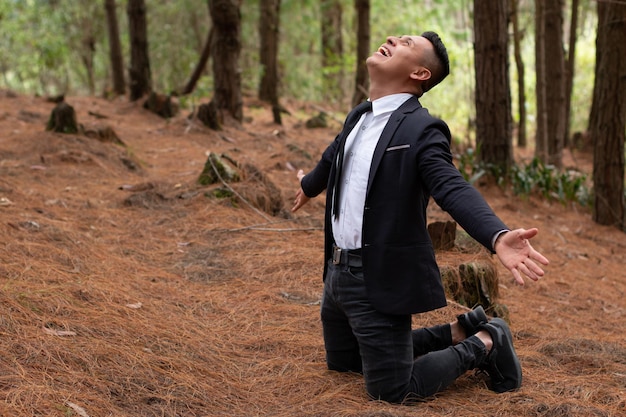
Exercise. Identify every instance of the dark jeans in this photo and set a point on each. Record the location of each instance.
(384, 348)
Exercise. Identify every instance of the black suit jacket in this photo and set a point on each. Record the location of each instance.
(412, 162)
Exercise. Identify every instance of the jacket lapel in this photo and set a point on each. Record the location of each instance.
(395, 119)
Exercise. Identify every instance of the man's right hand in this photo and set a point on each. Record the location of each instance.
(301, 198)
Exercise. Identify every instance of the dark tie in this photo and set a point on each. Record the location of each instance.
(354, 118)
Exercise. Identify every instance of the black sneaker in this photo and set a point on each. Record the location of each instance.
(501, 363)
(471, 320)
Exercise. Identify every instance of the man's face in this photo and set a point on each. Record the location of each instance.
(401, 58)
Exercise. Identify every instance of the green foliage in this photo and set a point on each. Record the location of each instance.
(44, 47)
(550, 183)
(532, 178)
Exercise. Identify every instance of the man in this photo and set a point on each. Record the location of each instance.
(380, 172)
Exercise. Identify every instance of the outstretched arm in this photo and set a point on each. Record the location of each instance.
(518, 256)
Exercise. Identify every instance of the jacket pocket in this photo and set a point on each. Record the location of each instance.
(397, 147)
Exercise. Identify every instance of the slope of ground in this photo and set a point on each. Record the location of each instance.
(129, 290)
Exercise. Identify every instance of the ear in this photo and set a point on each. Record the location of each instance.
(421, 74)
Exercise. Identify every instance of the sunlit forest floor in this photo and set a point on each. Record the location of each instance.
(130, 290)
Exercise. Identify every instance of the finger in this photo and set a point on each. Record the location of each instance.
(536, 269)
(524, 268)
(517, 276)
(527, 233)
(536, 256)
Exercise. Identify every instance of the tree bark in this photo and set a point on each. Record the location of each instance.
(361, 88)
(550, 69)
(115, 48)
(225, 51)
(570, 66)
(541, 135)
(269, 24)
(332, 49)
(139, 74)
(555, 88)
(493, 99)
(521, 85)
(607, 122)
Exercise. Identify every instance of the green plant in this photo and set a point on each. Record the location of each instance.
(534, 177)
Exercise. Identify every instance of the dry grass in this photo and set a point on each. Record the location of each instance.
(157, 300)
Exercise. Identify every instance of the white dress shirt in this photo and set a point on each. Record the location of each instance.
(359, 150)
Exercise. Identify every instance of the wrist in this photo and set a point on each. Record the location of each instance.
(497, 236)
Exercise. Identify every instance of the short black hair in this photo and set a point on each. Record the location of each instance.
(444, 62)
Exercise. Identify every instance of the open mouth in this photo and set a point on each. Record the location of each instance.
(384, 51)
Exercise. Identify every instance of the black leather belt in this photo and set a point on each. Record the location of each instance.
(349, 257)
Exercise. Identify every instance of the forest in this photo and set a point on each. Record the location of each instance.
(133, 285)
(546, 65)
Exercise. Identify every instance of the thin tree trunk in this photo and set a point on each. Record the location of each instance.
(541, 136)
(521, 85)
(361, 88)
(570, 67)
(332, 49)
(140, 76)
(200, 66)
(115, 48)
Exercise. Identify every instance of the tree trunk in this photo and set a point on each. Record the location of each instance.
(521, 85)
(493, 100)
(139, 74)
(607, 122)
(332, 49)
(269, 24)
(115, 48)
(550, 62)
(361, 88)
(555, 89)
(570, 66)
(225, 50)
(541, 135)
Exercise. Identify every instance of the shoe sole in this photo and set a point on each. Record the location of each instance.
(500, 388)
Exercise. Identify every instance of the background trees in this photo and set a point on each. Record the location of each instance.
(302, 50)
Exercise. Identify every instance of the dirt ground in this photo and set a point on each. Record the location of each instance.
(130, 290)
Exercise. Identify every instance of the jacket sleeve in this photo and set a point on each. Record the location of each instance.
(452, 192)
(316, 181)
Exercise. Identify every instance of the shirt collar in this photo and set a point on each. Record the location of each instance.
(389, 103)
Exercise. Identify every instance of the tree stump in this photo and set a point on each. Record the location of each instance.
(442, 234)
(316, 122)
(62, 119)
(161, 104)
(216, 167)
(105, 134)
(208, 114)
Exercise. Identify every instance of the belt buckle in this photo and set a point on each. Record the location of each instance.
(336, 255)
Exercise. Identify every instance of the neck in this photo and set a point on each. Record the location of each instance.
(379, 90)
